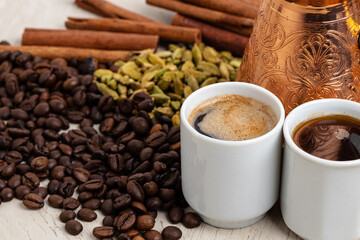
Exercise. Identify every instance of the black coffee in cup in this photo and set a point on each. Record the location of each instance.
(233, 117)
(335, 137)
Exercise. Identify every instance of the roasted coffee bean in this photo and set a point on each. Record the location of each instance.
(86, 214)
(156, 139)
(13, 157)
(106, 125)
(125, 221)
(67, 215)
(8, 170)
(14, 181)
(41, 191)
(73, 227)
(135, 190)
(191, 220)
(11, 83)
(122, 202)
(81, 174)
(93, 204)
(145, 222)
(116, 162)
(41, 109)
(150, 188)
(18, 113)
(140, 125)
(66, 189)
(104, 232)
(138, 238)
(135, 146)
(175, 215)
(107, 207)
(138, 207)
(53, 186)
(166, 194)
(105, 103)
(57, 104)
(57, 172)
(23, 168)
(93, 185)
(146, 154)
(53, 123)
(39, 164)
(33, 201)
(21, 191)
(4, 112)
(171, 233)
(108, 220)
(152, 235)
(169, 178)
(31, 180)
(153, 203)
(7, 194)
(70, 203)
(85, 196)
(55, 201)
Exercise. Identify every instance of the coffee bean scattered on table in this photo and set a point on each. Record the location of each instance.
(128, 169)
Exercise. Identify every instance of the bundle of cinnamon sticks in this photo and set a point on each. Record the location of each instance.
(225, 24)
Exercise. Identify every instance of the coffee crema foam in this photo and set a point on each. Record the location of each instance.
(233, 117)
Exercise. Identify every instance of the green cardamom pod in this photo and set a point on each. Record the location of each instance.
(175, 119)
(209, 67)
(175, 105)
(224, 71)
(122, 90)
(174, 96)
(101, 72)
(164, 111)
(160, 73)
(187, 91)
(211, 55)
(208, 81)
(105, 90)
(236, 62)
(112, 84)
(164, 54)
(187, 56)
(192, 82)
(196, 52)
(131, 69)
(178, 86)
(160, 98)
(155, 59)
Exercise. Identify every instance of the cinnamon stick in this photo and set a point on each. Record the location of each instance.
(90, 8)
(245, 31)
(214, 36)
(204, 14)
(229, 6)
(165, 32)
(68, 53)
(115, 11)
(89, 39)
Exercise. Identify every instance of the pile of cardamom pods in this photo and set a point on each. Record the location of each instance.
(168, 76)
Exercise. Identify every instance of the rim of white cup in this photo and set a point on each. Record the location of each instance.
(261, 90)
(287, 132)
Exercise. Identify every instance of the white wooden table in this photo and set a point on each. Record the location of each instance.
(17, 222)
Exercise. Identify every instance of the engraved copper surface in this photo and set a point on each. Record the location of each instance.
(302, 53)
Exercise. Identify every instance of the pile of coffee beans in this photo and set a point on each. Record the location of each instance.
(119, 160)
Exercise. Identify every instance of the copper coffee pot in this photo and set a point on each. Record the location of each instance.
(305, 49)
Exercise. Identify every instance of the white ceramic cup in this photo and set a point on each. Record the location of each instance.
(320, 199)
(231, 184)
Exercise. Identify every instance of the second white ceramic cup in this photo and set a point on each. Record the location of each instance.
(231, 184)
(320, 199)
